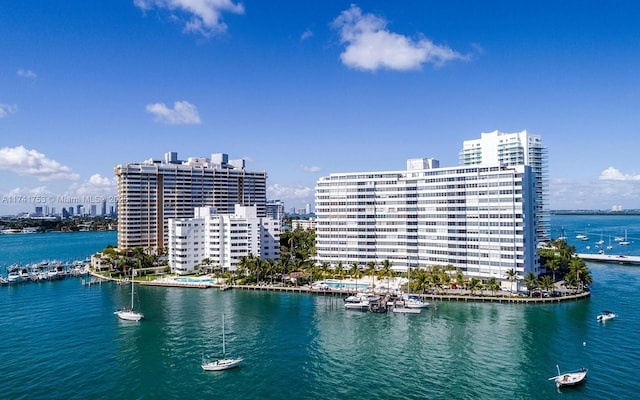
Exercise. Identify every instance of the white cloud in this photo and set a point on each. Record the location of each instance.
(6, 109)
(614, 174)
(370, 46)
(97, 186)
(306, 168)
(26, 73)
(292, 196)
(306, 34)
(204, 16)
(183, 112)
(24, 162)
(593, 194)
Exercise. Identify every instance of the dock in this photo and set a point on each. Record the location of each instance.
(610, 258)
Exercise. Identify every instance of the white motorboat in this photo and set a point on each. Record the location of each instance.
(223, 363)
(606, 315)
(357, 305)
(413, 301)
(569, 378)
(406, 310)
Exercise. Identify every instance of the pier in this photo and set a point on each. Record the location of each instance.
(610, 258)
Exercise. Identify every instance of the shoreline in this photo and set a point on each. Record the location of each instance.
(457, 297)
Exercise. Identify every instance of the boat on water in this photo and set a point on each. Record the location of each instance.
(572, 378)
(605, 316)
(14, 275)
(624, 241)
(360, 305)
(406, 310)
(411, 300)
(414, 301)
(222, 363)
(129, 313)
(360, 301)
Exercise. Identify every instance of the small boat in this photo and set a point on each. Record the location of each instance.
(406, 310)
(624, 242)
(223, 363)
(128, 313)
(569, 378)
(413, 301)
(360, 301)
(357, 305)
(606, 315)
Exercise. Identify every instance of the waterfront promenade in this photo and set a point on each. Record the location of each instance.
(456, 295)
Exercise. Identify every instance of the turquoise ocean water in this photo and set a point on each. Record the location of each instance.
(60, 340)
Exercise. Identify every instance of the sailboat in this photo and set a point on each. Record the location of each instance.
(222, 363)
(624, 242)
(128, 313)
(410, 304)
(569, 378)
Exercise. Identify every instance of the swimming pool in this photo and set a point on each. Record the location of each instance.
(193, 280)
(337, 284)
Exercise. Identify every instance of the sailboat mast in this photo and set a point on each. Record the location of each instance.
(223, 347)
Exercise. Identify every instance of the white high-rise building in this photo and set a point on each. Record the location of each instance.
(509, 149)
(484, 218)
(151, 192)
(221, 238)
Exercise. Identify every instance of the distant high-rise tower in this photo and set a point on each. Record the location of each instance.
(275, 210)
(151, 192)
(511, 149)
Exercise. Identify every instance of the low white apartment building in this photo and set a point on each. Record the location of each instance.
(221, 238)
(480, 219)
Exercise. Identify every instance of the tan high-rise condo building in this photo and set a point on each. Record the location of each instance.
(153, 191)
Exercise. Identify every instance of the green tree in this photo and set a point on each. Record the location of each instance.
(386, 269)
(546, 283)
(530, 281)
(461, 279)
(475, 285)
(355, 271)
(492, 284)
(371, 270)
(512, 275)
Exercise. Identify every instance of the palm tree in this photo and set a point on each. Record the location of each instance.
(461, 280)
(578, 268)
(512, 275)
(324, 267)
(546, 283)
(371, 270)
(554, 264)
(386, 268)
(339, 269)
(493, 284)
(475, 284)
(355, 271)
(530, 281)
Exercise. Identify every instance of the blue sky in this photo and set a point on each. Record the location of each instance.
(303, 89)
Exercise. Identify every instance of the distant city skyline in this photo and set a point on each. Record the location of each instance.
(303, 91)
